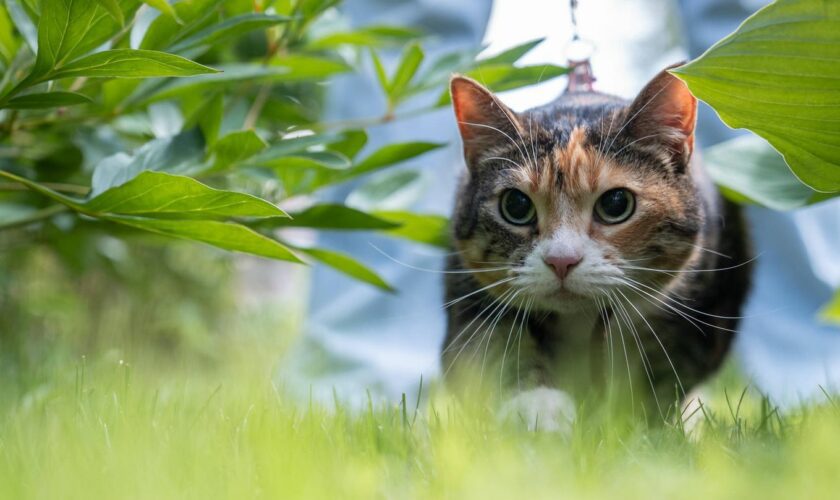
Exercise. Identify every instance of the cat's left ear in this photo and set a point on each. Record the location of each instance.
(665, 113)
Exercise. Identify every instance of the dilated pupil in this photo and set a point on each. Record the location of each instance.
(614, 203)
(518, 205)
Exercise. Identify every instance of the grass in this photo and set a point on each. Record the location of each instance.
(103, 428)
(143, 416)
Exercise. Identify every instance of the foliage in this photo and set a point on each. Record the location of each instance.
(117, 427)
(777, 75)
(199, 119)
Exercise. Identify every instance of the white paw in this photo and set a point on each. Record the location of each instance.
(541, 409)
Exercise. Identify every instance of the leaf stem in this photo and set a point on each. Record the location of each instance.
(40, 215)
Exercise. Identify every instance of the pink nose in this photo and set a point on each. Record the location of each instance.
(562, 265)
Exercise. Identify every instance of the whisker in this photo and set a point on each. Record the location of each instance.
(736, 266)
(438, 271)
(491, 285)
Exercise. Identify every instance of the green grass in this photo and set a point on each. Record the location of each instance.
(102, 428)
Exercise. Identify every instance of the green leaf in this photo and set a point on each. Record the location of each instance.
(235, 147)
(224, 235)
(329, 216)
(163, 6)
(512, 54)
(501, 77)
(409, 64)
(114, 10)
(371, 36)
(47, 100)
(23, 24)
(351, 142)
(158, 194)
(347, 265)
(388, 190)
(778, 75)
(752, 168)
(191, 17)
(178, 154)
(228, 75)
(422, 228)
(130, 63)
(302, 68)
(210, 119)
(830, 313)
(71, 28)
(381, 75)
(227, 29)
(391, 155)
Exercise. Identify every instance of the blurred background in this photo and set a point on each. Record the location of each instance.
(175, 305)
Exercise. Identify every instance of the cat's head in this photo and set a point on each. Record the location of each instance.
(569, 199)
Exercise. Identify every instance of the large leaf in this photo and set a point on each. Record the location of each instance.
(422, 228)
(391, 155)
(751, 168)
(129, 63)
(224, 235)
(230, 74)
(190, 17)
(229, 28)
(71, 28)
(235, 147)
(47, 100)
(370, 36)
(347, 265)
(175, 154)
(329, 216)
(158, 194)
(409, 64)
(778, 75)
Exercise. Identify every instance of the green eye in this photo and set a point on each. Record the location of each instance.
(517, 208)
(615, 206)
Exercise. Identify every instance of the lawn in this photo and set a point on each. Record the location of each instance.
(104, 427)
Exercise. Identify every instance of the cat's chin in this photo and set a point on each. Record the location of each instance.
(563, 301)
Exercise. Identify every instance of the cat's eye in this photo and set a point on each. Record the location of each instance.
(517, 208)
(615, 206)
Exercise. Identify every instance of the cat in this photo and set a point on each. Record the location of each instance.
(589, 249)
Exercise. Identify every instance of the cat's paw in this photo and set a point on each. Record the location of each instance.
(541, 409)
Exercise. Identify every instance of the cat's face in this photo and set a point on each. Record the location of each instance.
(564, 203)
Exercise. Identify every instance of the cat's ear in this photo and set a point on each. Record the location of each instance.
(664, 113)
(482, 118)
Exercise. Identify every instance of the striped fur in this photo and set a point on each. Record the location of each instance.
(657, 295)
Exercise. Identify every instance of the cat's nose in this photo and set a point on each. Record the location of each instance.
(562, 266)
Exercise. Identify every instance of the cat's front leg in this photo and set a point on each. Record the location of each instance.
(541, 409)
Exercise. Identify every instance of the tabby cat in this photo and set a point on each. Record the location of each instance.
(589, 250)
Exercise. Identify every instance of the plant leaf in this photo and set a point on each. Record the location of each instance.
(423, 228)
(329, 216)
(163, 6)
(229, 28)
(158, 194)
(830, 313)
(750, 167)
(409, 64)
(130, 63)
(210, 119)
(778, 75)
(391, 154)
(347, 265)
(70, 28)
(501, 77)
(47, 100)
(224, 235)
(235, 147)
(114, 10)
(512, 54)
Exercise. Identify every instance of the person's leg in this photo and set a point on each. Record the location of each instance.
(359, 338)
(782, 346)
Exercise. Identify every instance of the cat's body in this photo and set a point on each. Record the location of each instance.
(553, 287)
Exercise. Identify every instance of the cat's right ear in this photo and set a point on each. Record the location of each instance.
(482, 118)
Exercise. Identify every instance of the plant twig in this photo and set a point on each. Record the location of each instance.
(40, 215)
